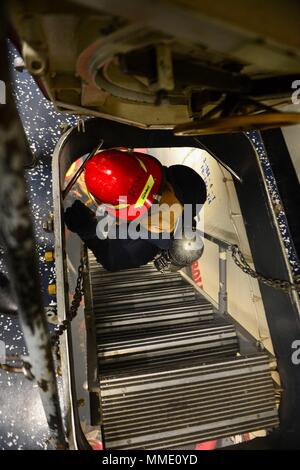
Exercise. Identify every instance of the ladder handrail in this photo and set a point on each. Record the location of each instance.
(223, 248)
(217, 241)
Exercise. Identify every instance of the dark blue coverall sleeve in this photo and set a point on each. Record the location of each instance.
(113, 254)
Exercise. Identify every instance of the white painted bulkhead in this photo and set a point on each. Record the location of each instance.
(221, 217)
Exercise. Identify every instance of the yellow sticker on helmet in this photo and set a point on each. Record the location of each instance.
(145, 193)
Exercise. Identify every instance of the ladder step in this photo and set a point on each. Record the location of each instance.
(133, 280)
(190, 306)
(136, 295)
(140, 285)
(187, 315)
(183, 406)
(128, 350)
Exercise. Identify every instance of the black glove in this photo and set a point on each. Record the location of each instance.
(163, 261)
(81, 220)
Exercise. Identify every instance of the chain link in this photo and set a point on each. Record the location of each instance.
(241, 262)
(77, 297)
(24, 367)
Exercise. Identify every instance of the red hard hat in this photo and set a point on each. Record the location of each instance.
(126, 182)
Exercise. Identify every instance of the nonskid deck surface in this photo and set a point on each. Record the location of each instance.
(169, 370)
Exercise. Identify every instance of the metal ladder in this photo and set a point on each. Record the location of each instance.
(168, 367)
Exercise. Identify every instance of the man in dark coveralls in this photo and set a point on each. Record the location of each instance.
(134, 188)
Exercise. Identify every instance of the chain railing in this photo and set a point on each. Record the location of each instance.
(280, 284)
(241, 262)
